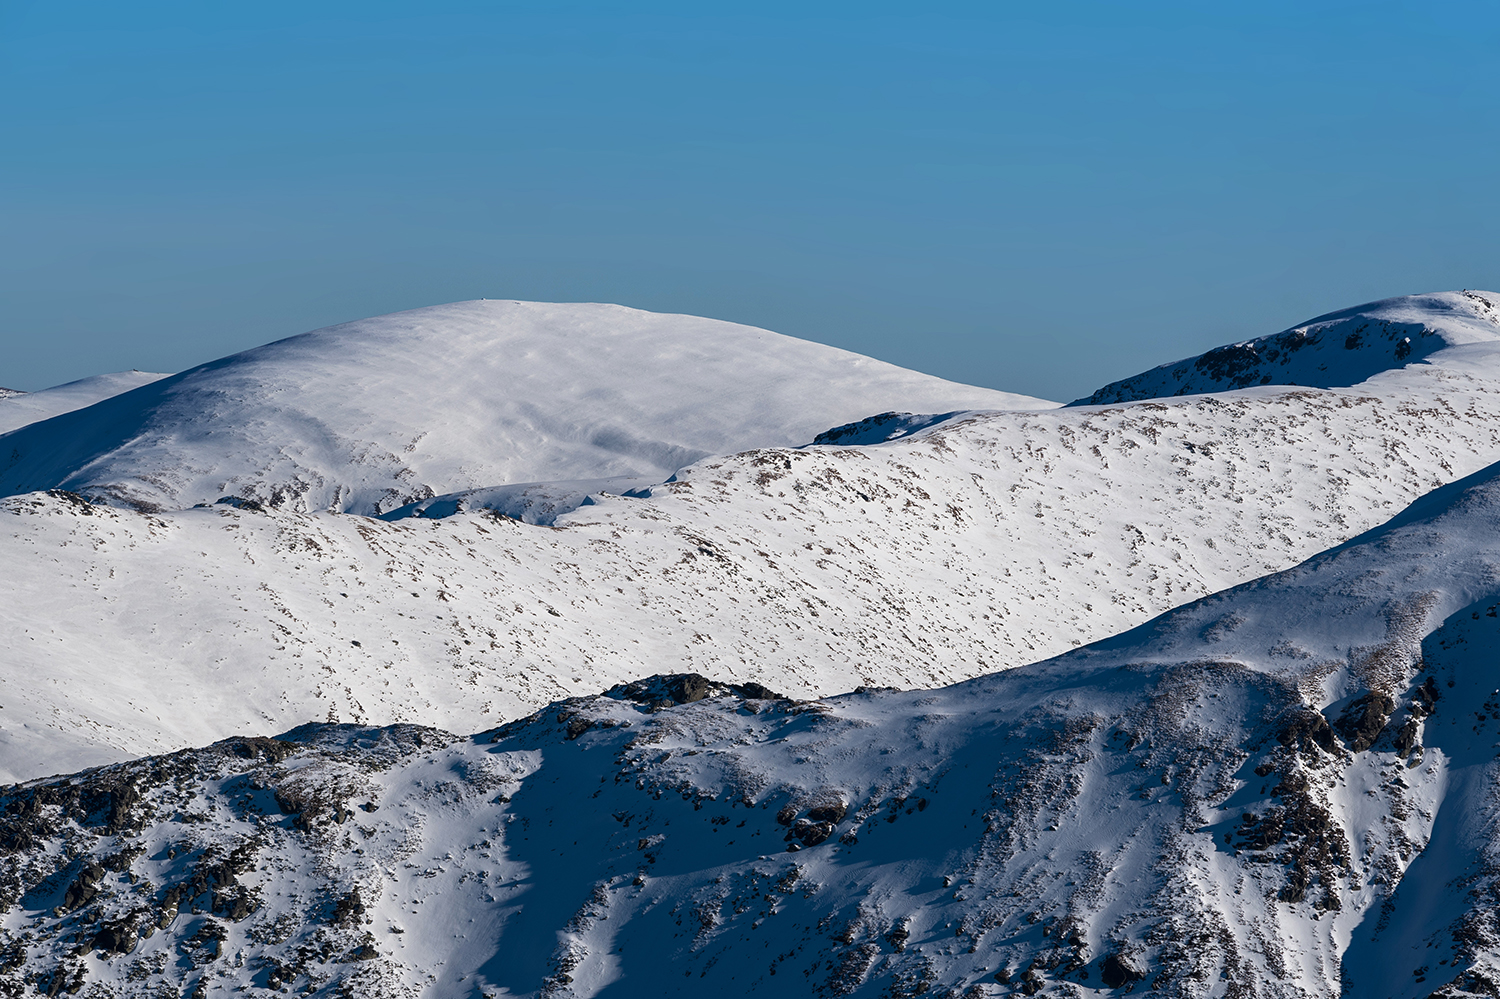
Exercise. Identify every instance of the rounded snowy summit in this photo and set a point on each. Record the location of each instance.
(370, 415)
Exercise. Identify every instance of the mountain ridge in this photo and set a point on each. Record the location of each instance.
(1201, 698)
(1334, 350)
(984, 542)
(22, 408)
(368, 416)
(830, 847)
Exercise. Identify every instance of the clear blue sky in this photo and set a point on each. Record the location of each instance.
(1037, 197)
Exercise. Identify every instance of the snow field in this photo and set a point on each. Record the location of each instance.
(980, 544)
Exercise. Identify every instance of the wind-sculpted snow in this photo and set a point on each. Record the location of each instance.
(1284, 790)
(983, 543)
(17, 409)
(372, 415)
(1339, 349)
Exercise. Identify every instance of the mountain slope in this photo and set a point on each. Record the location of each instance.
(371, 415)
(985, 542)
(1288, 789)
(1340, 349)
(17, 409)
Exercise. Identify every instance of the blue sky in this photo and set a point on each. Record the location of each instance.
(1035, 197)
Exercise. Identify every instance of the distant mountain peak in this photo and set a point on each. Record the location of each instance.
(373, 415)
(24, 408)
(1335, 350)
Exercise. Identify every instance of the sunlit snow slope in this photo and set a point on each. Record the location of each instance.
(1289, 789)
(985, 542)
(371, 415)
(17, 409)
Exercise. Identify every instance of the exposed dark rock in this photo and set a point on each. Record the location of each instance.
(1117, 970)
(666, 689)
(216, 874)
(121, 861)
(849, 970)
(881, 427)
(1425, 701)
(1406, 739)
(84, 887)
(833, 812)
(812, 833)
(1364, 720)
(12, 955)
(1262, 832)
(1304, 728)
(79, 503)
(259, 747)
(235, 904)
(64, 980)
(121, 936)
(210, 936)
(306, 804)
(1315, 842)
(349, 910)
(1472, 982)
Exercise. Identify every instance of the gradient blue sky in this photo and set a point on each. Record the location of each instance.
(1035, 197)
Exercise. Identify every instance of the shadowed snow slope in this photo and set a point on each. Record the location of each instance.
(20, 408)
(1339, 349)
(371, 415)
(1288, 789)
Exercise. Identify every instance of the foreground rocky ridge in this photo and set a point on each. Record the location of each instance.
(1287, 789)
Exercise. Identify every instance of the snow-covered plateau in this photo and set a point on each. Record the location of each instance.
(1250, 776)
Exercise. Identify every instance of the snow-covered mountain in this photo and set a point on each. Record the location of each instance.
(371, 415)
(1287, 789)
(1340, 349)
(17, 409)
(981, 543)
(1284, 785)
